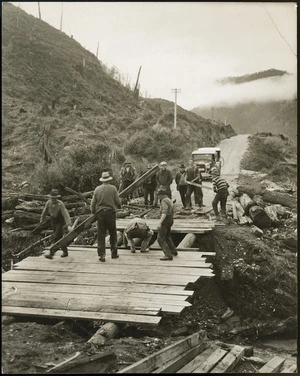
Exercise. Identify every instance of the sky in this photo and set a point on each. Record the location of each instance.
(187, 45)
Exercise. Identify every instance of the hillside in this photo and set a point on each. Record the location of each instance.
(57, 97)
(275, 116)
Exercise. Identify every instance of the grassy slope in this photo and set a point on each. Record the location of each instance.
(41, 65)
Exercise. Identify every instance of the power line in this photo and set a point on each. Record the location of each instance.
(279, 31)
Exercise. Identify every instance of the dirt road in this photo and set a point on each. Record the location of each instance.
(232, 151)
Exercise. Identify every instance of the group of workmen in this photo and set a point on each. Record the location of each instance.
(106, 201)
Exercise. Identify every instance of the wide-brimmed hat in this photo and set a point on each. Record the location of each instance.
(149, 166)
(105, 176)
(182, 165)
(54, 193)
(163, 163)
(127, 162)
(161, 192)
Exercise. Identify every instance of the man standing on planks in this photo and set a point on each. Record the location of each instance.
(59, 217)
(149, 188)
(181, 184)
(192, 175)
(164, 180)
(220, 186)
(164, 229)
(106, 200)
(127, 175)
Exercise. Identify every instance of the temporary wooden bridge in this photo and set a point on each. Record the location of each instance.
(135, 288)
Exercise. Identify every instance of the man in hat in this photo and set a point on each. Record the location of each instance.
(198, 180)
(163, 179)
(106, 201)
(127, 175)
(192, 175)
(164, 228)
(59, 217)
(149, 188)
(220, 186)
(181, 183)
(137, 228)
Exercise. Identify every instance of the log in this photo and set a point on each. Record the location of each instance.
(272, 197)
(240, 213)
(26, 217)
(234, 212)
(244, 200)
(9, 203)
(26, 250)
(7, 214)
(85, 364)
(106, 332)
(77, 194)
(188, 241)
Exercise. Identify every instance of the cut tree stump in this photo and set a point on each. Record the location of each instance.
(106, 332)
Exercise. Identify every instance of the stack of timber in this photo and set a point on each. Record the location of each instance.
(135, 288)
(195, 354)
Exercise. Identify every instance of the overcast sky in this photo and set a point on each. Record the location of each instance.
(187, 45)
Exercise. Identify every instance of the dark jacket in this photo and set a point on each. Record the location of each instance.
(164, 177)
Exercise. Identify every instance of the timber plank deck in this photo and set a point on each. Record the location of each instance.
(135, 288)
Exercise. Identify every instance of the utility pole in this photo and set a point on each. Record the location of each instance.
(61, 17)
(97, 50)
(175, 105)
(136, 88)
(39, 8)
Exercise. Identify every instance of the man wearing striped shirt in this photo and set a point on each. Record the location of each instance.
(220, 186)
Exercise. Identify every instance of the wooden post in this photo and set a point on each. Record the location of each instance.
(39, 8)
(187, 241)
(61, 17)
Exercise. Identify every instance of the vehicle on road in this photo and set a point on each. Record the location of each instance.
(206, 159)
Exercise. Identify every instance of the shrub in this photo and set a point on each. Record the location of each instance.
(80, 169)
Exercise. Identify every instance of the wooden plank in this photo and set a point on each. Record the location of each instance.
(103, 301)
(139, 181)
(175, 364)
(211, 361)
(133, 261)
(289, 368)
(157, 359)
(109, 268)
(63, 314)
(11, 288)
(186, 254)
(230, 360)
(189, 367)
(108, 286)
(273, 366)
(100, 277)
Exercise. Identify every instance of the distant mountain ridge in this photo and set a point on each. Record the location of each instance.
(252, 77)
(275, 116)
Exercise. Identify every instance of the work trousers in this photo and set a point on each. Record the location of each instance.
(221, 197)
(124, 185)
(190, 190)
(145, 235)
(182, 190)
(148, 191)
(58, 231)
(199, 196)
(164, 237)
(106, 221)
